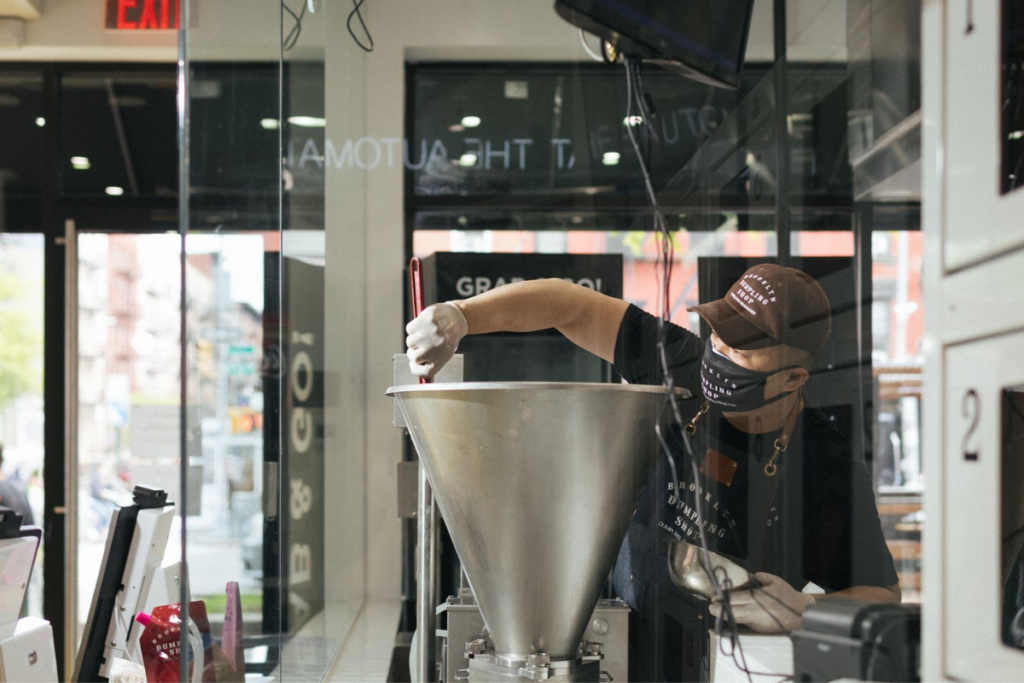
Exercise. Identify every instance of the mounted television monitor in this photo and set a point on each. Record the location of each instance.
(702, 39)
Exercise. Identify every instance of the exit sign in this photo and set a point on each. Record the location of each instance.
(142, 15)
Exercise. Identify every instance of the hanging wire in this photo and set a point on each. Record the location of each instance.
(290, 40)
(356, 13)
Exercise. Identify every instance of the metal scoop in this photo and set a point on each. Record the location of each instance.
(687, 570)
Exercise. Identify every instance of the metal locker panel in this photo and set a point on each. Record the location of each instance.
(978, 215)
(979, 302)
(976, 376)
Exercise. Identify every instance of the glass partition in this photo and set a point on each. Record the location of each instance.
(231, 262)
(273, 500)
(329, 145)
(121, 140)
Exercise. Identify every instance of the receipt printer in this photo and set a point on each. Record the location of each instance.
(868, 641)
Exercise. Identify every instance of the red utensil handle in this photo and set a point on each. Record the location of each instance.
(416, 278)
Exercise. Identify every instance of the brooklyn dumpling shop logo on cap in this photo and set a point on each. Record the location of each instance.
(748, 294)
(771, 305)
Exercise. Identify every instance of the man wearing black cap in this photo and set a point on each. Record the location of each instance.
(779, 488)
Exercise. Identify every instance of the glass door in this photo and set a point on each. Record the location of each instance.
(126, 393)
(128, 406)
(230, 389)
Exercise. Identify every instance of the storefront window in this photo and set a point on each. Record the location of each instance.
(120, 141)
(21, 384)
(258, 515)
(128, 396)
(638, 249)
(21, 168)
(225, 515)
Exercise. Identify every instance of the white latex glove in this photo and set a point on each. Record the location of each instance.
(433, 338)
(774, 607)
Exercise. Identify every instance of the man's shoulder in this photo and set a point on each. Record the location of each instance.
(636, 349)
(636, 318)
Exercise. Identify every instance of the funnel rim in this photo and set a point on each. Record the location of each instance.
(506, 386)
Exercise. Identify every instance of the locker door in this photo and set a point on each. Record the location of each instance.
(982, 512)
(981, 139)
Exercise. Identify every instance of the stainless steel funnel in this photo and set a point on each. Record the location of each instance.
(537, 482)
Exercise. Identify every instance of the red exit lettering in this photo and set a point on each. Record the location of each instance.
(142, 15)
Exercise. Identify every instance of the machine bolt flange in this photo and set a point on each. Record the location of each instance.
(539, 659)
(537, 667)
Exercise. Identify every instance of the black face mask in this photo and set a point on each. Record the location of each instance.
(733, 386)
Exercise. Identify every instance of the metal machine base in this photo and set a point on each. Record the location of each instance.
(460, 622)
(498, 669)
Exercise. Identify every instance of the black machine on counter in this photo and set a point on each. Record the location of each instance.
(863, 640)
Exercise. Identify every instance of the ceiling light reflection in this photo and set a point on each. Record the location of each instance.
(307, 121)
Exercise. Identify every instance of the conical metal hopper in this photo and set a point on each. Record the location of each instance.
(537, 483)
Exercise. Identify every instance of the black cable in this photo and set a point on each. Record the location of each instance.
(356, 6)
(667, 241)
(290, 40)
(666, 375)
(669, 383)
(666, 259)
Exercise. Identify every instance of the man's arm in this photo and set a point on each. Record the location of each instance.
(872, 593)
(587, 318)
(777, 607)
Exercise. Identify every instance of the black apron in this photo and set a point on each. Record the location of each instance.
(730, 494)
